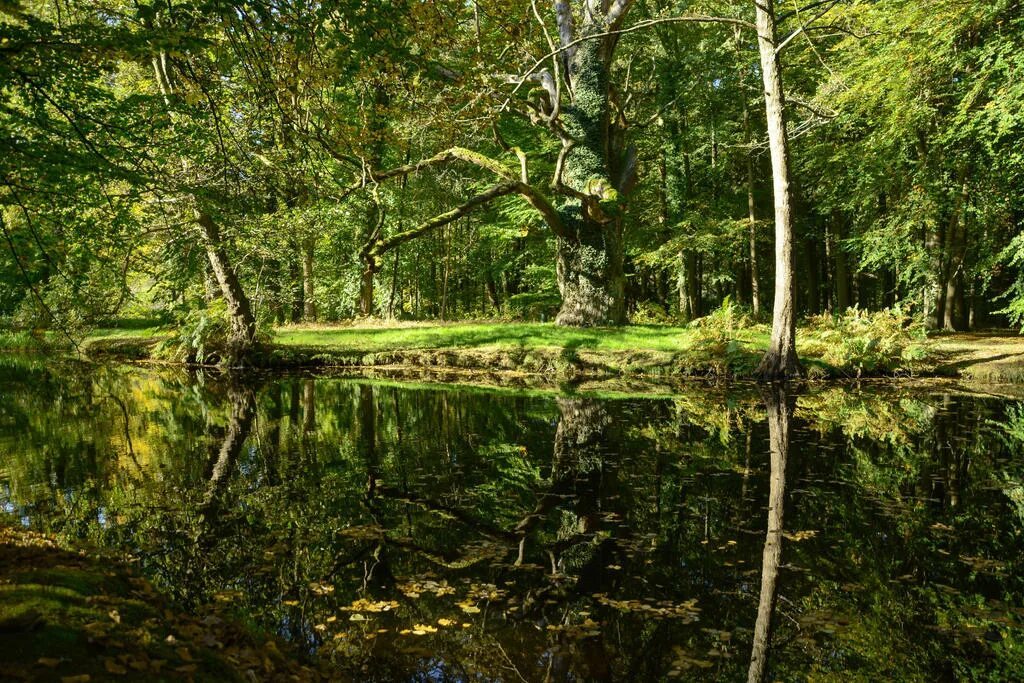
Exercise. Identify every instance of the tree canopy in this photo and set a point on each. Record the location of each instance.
(590, 162)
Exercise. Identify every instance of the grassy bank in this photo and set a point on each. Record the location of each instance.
(647, 351)
(67, 615)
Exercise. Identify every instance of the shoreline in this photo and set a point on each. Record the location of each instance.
(549, 357)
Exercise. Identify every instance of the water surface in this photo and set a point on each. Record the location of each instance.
(416, 533)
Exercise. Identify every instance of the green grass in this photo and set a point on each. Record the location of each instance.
(551, 351)
(369, 339)
(23, 340)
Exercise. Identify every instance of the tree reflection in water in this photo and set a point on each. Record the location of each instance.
(575, 537)
(779, 411)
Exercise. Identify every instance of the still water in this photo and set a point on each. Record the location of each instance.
(405, 532)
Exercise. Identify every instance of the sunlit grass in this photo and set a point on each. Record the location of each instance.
(372, 338)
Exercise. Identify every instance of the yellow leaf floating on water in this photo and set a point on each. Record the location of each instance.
(446, 622)
(115, 616)
(423, 629)
(48, 662)
(113, 667)
(799, 535)
(468, 607)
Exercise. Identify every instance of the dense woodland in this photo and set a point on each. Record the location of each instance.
(590, 162)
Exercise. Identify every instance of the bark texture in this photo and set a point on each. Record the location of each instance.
(242, 334)
(597, 173)
(780, 361)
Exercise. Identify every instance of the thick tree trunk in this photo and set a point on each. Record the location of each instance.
(778, 409)
(589, 263)
(781, 360)
(242, 333)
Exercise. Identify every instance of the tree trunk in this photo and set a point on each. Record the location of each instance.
(842, 272)
(366, 289)
(589, 264)
(242, 333)
(813, 280)
(308, 298)
(394, 286)
(295, 277)
(755, 287)
(781, 360)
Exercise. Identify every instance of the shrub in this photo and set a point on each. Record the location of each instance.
(650, 313)
(864, 342)
(717, 343)
(202, 335)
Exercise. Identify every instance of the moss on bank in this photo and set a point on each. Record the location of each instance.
(69, 616)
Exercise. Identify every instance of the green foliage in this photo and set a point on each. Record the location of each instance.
(864, 342)
(202, 335)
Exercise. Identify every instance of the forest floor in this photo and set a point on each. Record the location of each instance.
(995, 357)
(638, 351)
(72, 616)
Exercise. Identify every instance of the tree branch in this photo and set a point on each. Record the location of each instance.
(568, 47)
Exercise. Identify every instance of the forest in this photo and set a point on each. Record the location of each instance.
(511, 340)
(227, 167)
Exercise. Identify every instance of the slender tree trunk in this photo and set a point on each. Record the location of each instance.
(755, 287)
(842, 276)
(394, 285)
(242, 334)
(295, 277)
(366, 289)
(308, 297)
(781, 360)
(813, 281)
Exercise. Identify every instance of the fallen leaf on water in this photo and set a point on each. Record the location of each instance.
(113, 667)
(184, 654)
(48, 662)
(115, 616)
(423, 629)
(446, 622)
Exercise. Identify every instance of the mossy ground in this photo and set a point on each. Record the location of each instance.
(69, 616)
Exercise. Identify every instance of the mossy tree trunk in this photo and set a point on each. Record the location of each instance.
(597, 173)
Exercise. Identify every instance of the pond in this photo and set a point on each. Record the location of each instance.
(408, 532)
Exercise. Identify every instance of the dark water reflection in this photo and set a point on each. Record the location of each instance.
(416, 533)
